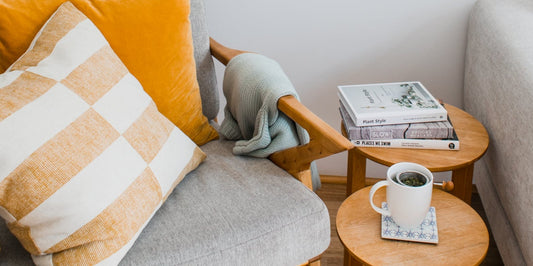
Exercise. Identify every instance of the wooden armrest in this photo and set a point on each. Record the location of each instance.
(324, 140)
(222, 53)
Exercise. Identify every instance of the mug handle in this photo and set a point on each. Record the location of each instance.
(373, 190)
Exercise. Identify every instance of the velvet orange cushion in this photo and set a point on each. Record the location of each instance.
(152, 38)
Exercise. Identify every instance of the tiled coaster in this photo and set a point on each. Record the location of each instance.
(427, 232)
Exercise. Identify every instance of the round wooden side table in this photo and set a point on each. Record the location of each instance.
(463, 236)
(474, 141)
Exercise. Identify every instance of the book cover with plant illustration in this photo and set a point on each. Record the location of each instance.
(391, 103)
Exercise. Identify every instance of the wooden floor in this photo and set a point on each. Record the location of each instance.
(334, 193)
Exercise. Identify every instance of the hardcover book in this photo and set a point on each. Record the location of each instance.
(386, 139)
(390, 103)
(430, 144)
(429, 130)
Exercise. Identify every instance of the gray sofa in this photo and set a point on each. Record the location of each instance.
(231, 210)
(499, 92)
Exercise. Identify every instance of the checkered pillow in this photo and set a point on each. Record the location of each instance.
(85, 156)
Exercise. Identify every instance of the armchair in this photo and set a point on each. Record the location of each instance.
(233, 210)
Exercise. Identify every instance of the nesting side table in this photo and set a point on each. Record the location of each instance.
(463, 236)
(474, 142)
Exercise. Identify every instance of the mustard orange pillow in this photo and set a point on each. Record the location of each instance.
(152, 38)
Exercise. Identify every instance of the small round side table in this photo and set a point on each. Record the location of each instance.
(474, 141)
(463, 236)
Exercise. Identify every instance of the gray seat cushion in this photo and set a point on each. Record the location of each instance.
(235, 210)
(231, 210)
(11, 252)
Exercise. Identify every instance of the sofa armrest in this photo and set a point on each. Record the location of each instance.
(324, 141)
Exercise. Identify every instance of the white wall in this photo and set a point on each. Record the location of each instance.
(322, 44)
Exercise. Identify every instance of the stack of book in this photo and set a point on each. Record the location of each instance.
(395, 115)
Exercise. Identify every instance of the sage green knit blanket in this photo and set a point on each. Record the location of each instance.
(252, 87)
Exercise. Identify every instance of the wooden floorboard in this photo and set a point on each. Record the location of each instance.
(333, 192)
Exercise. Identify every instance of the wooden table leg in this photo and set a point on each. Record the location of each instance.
(355, 180)
(349, 260)
(462, 180)
(356, 172)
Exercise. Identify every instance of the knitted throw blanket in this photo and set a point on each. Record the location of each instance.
(252, 86)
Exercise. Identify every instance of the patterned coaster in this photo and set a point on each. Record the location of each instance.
(427, 232)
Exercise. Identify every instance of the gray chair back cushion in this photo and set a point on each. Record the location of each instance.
(205, 68)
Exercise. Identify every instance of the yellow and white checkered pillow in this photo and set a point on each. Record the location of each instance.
(85, 157)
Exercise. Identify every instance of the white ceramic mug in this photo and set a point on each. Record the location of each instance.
(408, 205)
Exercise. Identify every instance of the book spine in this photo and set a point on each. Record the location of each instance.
(432, 130)
(432, 144)
(402, 131)
(400, 119)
